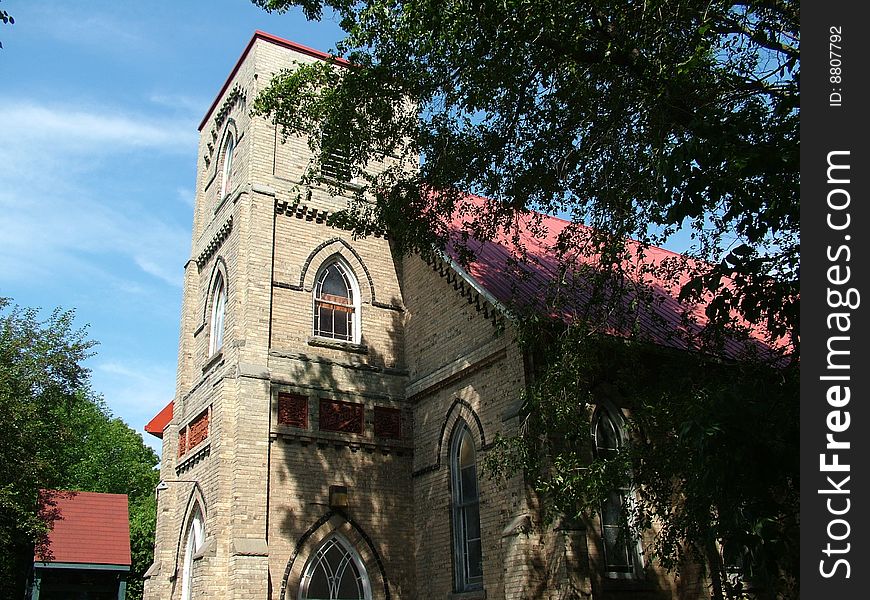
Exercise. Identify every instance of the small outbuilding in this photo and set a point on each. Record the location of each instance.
(88, 554)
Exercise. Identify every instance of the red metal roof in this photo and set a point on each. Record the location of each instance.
(156, 425)
(92, 528)
(268, 37)
(522, 270)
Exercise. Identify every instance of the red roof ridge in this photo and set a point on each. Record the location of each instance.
(278, 41)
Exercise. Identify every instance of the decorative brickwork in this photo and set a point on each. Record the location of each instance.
(388, 422)
(195, 432)
(293, 410)
(346, 417)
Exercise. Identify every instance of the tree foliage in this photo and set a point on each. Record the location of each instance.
(7, 19)
(641, 119)
(638, 118)
(713, 462)
(60, 436)
(107, 456)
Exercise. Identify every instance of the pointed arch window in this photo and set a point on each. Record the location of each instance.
(336, 303)
(227, 171)
(335, 572)
(193, 544)
(467, 550)
(621, 555)
(218, 313)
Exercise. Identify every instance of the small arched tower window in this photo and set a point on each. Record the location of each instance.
(621, 555)
(192, 545)
(226, 172)
(336, 303)
(467, 552)
(218, 312)
(335, 571)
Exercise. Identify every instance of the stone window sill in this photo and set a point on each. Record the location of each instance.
(338, 345)
(213, 360)
(469, 595)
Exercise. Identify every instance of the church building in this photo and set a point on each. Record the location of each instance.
(334, 403)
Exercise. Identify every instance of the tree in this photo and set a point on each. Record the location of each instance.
(713, 464)
(107, 456)
(636, 118)
(41, 377)
(60, 436)
(7, 19)
(641, 120)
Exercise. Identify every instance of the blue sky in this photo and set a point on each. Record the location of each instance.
(99, 105)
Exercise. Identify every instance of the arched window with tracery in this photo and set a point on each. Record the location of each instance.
(192, 545)
(467, 551)
(335, 572)
(621, 555)
(218, 313)
(336, 303)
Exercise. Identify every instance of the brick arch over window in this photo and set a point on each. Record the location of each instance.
(460, 414)
(329, 250)
(195, 502)
(329, 524)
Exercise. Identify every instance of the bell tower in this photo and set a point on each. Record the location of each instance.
(290, 441)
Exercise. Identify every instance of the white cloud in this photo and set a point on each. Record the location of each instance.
(86, 27)
(60, 211)
(179, 102)
(92, 129)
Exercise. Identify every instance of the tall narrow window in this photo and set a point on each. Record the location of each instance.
(620, 548)
(467, 553)
(218, 311)
(191, 547)
(335, 572)
(335, 304)
(226, 172)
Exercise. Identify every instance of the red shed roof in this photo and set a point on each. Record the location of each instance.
(91, 528)
(156, 425)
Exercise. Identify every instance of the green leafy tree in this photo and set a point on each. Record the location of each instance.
(641, 120)
(60, 436)
(41, 377)
(712, 464)
(107, 456)
(638, 118)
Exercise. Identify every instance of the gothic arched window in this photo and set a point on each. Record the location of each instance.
(218, 312)
(191, 547)
(336, 303)
(620, 548)
(226, 172)
(335, 572)
(467, 552)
